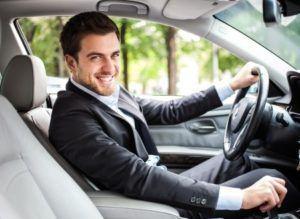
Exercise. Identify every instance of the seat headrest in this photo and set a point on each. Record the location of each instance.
(24, 82)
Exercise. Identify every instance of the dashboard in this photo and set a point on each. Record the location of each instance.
(294, 82)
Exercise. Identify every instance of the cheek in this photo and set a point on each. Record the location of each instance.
(117, 67)
(86, 75)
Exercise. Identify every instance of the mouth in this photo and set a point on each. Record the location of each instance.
(105, 79)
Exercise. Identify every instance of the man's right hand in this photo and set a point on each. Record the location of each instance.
(266, 193)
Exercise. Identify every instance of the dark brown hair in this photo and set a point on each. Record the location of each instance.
(81, 25)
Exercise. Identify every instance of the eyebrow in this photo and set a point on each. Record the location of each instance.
(100, 54)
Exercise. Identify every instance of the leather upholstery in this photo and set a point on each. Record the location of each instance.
(32, 183)
(25, 85)
(116, 206)
(24, 82)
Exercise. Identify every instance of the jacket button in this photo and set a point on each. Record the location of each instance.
(193, 199)
(203, 201)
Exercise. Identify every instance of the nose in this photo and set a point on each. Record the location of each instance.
(108, 66)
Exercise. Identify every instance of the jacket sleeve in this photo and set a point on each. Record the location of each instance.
(78, 136)
(179, 110)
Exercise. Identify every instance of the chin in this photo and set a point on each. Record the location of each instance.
(106, 91)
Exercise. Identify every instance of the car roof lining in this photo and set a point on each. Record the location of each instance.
(193, 9)
(29, 8)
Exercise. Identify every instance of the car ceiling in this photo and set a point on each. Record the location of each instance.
(172, 12)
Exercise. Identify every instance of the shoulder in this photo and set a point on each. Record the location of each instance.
(69, 100)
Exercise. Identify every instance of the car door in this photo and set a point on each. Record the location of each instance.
(189, 143)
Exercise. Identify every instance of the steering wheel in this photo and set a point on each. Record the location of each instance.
(245, 117)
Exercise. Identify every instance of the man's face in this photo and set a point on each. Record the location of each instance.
(97, 67)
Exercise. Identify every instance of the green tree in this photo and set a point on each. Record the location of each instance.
(202, 50)
(170, 38)
(143, 46)
(42, 34)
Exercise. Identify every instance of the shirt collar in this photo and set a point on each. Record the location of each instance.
(111, 101)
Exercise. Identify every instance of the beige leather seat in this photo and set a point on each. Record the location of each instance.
(32, 184)
(24, 84)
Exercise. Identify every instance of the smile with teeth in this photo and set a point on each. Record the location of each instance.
(105, 78)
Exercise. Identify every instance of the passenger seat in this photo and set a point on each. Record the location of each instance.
(33, 185)
(24, 84)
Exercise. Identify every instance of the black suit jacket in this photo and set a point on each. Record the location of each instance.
(107, 149)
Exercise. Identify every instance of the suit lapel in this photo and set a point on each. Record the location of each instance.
(123, 104)
(127, 104)
(143, 138)
(107, 109)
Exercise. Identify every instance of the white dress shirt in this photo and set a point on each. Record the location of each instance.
(229, 198)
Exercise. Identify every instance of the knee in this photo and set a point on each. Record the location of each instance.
(271, 172)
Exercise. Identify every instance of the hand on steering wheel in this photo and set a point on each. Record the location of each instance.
(245, 116)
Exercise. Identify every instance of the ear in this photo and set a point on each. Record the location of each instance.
(71, 63)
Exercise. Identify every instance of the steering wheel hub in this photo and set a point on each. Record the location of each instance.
(240, 112)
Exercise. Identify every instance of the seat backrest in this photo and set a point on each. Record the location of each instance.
(32, 183)
(25, 86)
(31, 180)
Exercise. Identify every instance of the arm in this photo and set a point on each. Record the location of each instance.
(179, 110)
(81, 140)
(183, 109)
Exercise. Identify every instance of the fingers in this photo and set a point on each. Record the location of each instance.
(280, 190)
(272, 198)
(253, 77)
(279, 180)
(275, 193)
(255, 71)
(266, 193)
(279, 186)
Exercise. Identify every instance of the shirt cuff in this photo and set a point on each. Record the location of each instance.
(224, 91)
(229, 199)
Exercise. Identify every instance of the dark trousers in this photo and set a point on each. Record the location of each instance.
(240, 173)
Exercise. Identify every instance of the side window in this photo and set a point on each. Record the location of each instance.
(155, 59)
(42, 34)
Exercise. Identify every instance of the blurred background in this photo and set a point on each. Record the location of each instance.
(155, 59)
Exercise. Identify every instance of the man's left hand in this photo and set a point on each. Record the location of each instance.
(247, 76)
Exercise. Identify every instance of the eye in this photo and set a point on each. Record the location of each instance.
(115, 55)
(95, 58)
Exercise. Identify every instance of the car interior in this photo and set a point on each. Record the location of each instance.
(37, 182)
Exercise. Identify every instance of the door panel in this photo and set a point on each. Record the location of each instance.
(206, 131)
(187, 144)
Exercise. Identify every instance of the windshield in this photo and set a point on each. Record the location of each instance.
(283, 40)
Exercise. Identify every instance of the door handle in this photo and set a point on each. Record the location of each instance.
(203, 127)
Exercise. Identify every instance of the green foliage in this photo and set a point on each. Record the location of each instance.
(202, 51)
(145, 43)
(229, 62)
(43, 36)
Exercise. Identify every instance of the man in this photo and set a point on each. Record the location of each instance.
(103, 130)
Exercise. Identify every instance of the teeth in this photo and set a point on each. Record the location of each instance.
(106, 78)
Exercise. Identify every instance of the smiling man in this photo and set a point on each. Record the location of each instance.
(103, 130)
(98, 68)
